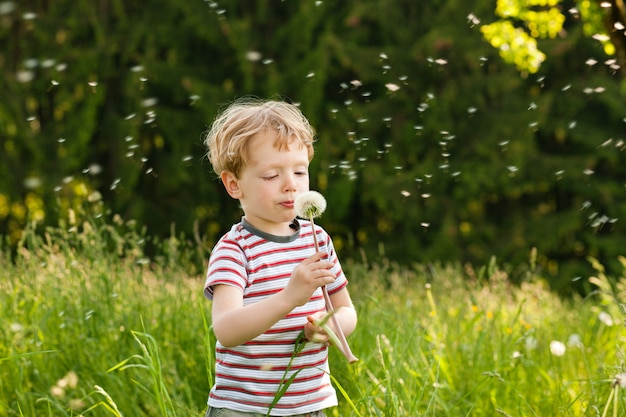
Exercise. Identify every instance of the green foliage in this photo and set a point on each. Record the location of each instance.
(93, 327)
(429, 147)
(522, 22)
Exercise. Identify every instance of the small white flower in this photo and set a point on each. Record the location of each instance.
(575, 340)
(530, 343)
(557, 348)
(310, 204)
(606, 319)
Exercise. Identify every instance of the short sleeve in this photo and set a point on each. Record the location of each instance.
(227, 266)
(340, 278)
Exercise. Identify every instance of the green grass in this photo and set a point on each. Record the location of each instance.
(91, 326)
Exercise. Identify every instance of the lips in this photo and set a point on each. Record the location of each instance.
(287, 204)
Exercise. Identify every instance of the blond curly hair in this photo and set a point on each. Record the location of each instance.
(228, 138)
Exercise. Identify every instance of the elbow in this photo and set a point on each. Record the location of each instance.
(224, 337)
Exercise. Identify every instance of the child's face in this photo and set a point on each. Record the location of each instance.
(268, 185)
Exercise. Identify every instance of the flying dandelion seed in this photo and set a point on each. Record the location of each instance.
(356, 83)
(149, 102)
(7, 7)
(405, 193)
(253, 56)
(605, 143)
(473, 20)
(392, 87)
(24, 76)
(425, 225)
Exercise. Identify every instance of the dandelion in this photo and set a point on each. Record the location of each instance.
(557, 348)
(310, 205)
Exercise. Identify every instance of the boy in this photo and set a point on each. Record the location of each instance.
(264, 275)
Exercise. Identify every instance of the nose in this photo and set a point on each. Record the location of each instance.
(290, 183)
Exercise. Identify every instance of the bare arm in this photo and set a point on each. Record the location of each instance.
(235, 324)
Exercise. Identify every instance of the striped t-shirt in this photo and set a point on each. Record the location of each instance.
(248, 376)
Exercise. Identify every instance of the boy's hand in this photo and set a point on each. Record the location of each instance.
(313, 332)
(311, 274)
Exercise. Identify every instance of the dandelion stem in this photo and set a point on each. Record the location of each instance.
(343, 345)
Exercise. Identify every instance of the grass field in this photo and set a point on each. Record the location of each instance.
(91, 326)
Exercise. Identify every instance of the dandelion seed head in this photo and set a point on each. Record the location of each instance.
(310, 204)
(557, 348)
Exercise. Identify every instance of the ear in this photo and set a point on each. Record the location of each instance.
(231, 183)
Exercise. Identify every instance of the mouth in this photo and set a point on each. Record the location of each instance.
(287, 204)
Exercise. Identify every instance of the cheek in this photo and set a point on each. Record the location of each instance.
(303, 183)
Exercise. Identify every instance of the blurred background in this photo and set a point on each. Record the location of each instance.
(448, 131)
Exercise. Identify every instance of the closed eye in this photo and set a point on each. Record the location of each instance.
(269, 177)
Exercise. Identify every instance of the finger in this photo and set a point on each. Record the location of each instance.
(316, 257)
